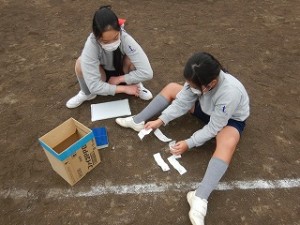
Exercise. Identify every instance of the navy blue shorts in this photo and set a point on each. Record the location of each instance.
(239, 125)
(111, 73)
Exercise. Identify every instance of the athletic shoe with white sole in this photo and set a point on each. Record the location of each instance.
(144, 93)
(198, 208)
(78, 99)
(129, 123)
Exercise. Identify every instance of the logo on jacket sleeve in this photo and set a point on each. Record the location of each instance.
(131, 48)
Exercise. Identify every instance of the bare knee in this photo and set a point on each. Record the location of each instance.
(127, 65)
(78, 70)
(171, 90)
(227, 140)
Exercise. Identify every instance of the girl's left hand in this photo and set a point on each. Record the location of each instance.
(179, 148)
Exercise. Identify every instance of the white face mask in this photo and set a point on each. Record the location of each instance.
(196, 91)
(111, 46)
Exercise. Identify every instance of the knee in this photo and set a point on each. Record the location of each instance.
(173, 87)
(78, 70)
(228, 138)
(171, 90)
(127, 65)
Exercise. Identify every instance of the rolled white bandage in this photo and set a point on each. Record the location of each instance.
(164, 166)
(172, 143)
(161, 136)
(176, 165)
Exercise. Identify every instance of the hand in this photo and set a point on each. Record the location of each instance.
(131, 89)
(153, 124)
(115, 80)
(179, 148)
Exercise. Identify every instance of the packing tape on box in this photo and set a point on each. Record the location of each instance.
(158, 159)
(172, 160)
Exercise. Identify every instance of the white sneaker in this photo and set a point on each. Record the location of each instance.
(198, 208)
(129, 123)
(78, 99)
(144, 93)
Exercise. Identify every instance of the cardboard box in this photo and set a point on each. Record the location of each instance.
(71, 150)
(100, 134)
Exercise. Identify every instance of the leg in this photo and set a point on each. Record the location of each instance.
(102, 73)
(84, 93)
(170, 91)
(79, 74)
(159, 103)
(127, 65)
(80, 78)
(227, 140)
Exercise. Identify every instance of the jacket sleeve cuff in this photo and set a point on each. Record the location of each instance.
(164, 119)
(127, 79)
(112, 90)
(190, 143)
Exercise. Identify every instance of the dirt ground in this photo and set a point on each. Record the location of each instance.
(257, 41)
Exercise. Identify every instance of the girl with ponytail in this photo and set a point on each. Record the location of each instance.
(218, 99)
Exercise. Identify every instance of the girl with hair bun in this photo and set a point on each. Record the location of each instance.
(111, 62)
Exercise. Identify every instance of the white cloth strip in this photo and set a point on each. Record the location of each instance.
(161, 136)
(177, 165)
(144, 132)
(164, 166)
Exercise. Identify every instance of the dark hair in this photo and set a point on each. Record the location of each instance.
(201, 69)
(105, 19)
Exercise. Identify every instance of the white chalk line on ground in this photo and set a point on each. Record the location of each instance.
(100, 190)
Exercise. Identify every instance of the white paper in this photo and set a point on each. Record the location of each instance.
(108, 110)
(144, 132)
(172, 160)
(161, 136)
(158, 159)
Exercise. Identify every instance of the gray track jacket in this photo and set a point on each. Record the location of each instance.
(93, 56)
(228, 100)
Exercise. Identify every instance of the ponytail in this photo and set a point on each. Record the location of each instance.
(202, 68)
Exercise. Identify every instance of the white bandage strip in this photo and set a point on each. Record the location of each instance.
(144, 132)
(177, 165)
(164, 166)
(161, 136)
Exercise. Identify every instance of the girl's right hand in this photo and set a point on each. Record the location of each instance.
(153, 124)
(132, 90)
(128, 89)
